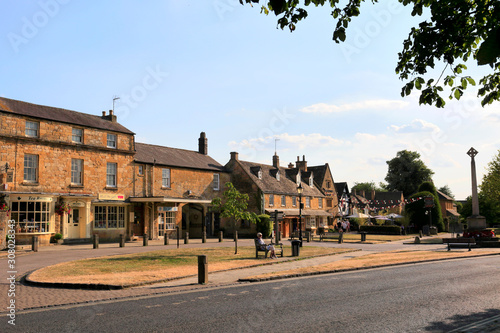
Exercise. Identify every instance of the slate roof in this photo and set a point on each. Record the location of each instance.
(286, 185)
(60, 115)
(339, 188)
(319, 172)
(146, 153)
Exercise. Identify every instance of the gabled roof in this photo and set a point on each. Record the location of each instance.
(340, 187)
(286, 184)
(60, 115)
(319, 172)
(441, 195)
(146, 153)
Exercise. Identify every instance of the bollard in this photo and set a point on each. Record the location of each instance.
(204, 237)
(145, 240)
(95, 241)
(221, 236)
(308, 236)
(165, 239)
(186, 238)
(363, 236)
(202, 269)
(34, 243)
(341, 238)
(236, 242)
(421, 234)
(122, 240)
(178, 235)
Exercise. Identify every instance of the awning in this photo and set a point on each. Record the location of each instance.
(165, 199)
(452, 212)
(295, 212)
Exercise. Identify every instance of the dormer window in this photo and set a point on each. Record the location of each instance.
(257, 170)
(299, 180)
(311, 181)
(259, 173)
(278, 175)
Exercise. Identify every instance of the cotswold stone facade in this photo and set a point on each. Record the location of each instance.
(77, 174)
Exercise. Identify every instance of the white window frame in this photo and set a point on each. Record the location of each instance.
(109, 217)
(283, 200)
(165, 178)
(111, 140)
(271, 200)
(30, 168)
(294, 201)
(308, 202)
(278, 175)
(77, 135)
(216, 182)
(32, 129)
(111, 174)
(76, 171)
(320, 203)
(140, 170)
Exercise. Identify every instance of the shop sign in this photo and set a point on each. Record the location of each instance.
(167, 209)
(35, 198)
(77, 204)
(111, 196)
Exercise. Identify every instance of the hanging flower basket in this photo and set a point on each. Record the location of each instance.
(62, 208)
(4, 207)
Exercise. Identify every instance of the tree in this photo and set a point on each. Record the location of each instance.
(234, 205)
(366, 186)
(446, 190)
(406, 172)
(456, 31)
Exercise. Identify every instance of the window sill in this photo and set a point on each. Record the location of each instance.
(166, 188)
(76, 186)
(26, 183)
(111, 188)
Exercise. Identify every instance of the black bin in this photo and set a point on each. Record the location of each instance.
(295, 248)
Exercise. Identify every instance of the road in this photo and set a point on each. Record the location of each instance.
(431, 297)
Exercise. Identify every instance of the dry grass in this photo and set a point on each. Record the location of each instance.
(378, 259)
(156, 265)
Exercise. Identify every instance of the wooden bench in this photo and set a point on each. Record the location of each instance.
(470, 241)
(328, 235)
(278, 249)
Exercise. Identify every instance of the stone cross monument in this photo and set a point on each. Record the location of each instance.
(475, 221)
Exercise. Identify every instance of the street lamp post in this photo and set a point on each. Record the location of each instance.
(299, 191)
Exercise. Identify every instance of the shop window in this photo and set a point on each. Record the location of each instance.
(109, 217)
(31, 216)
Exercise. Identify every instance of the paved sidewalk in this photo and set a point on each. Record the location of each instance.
(29, 297)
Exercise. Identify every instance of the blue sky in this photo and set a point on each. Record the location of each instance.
(181, 67)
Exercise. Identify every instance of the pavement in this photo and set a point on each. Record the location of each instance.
(35, 297)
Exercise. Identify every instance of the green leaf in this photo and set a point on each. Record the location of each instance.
(489, 50)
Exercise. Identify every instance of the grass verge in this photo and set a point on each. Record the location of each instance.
(155, 266)
(375, 260)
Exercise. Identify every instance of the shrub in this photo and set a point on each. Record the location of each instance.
(381, 229)
(58, 236)
(264, 225)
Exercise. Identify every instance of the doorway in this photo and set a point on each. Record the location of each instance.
(74, 224)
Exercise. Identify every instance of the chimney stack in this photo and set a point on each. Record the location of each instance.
(203, 144)
(111, 117)
(234, 156)
(290, 165)
(301, 165)
(276, 161)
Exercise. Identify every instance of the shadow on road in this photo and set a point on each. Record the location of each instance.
(476, 322)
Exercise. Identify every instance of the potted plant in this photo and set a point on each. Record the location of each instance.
(58, 238)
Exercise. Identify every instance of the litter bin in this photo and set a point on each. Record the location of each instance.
(295, 248)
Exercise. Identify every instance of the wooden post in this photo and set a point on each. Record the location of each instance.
(186, 237)
(178, 235)
(122, 240)
(236, 242)
(204, 237)
(145, 240)
(95, 241)
(34, 243)
(202, 269)
(165, 239)
(221, 236)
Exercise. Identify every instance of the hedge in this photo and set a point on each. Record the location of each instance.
(381, 229)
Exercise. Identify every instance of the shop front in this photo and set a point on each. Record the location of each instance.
(33, 215)
(75, 216)
(110, 217)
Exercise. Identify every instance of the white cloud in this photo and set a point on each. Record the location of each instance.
(379, 104)
(416, 126)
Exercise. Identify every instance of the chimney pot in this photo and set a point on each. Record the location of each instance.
(104, 113)
(234, 156)
(110, 112)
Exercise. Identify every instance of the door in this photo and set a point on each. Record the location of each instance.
(74, 224)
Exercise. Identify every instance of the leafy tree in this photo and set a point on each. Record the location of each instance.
(487, 208)
(406, 172)
(366, 186)
(416, 211)
(234, 205)
(446, 190)
(264, 225)
(457, 31)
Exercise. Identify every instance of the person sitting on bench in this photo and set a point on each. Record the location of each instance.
(263, 246)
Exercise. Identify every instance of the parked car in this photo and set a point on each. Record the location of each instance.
(480, 234)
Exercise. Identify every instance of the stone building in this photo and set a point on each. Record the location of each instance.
(64, 171)
(175, 187)
(78, 174)
(272, 187)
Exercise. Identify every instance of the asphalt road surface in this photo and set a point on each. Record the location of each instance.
(432, 297)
